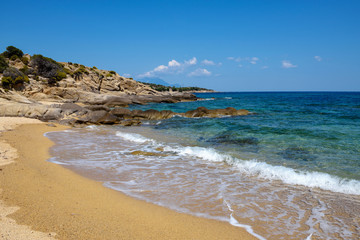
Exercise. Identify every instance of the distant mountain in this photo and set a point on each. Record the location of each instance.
(158, 81)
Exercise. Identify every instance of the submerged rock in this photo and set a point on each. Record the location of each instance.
(297, 153)
(229, 139)
(143, 153)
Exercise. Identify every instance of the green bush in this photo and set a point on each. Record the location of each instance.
(109, 75)
(60, 75)
(13, 57)
(94, 67)
(70, 63)
(6, 82)
(3, 64)
(112, 72)
(21, 79)
(76, 65)
(13, 51)
(48, 68)
(13, 78)
(25, 60)
(26, 70)
(68, 71)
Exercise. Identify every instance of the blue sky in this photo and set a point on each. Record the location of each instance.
(224, 45)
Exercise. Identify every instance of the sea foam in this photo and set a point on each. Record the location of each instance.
(256, 168)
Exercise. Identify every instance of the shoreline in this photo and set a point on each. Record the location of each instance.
(54, 199)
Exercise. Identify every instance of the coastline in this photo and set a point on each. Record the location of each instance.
(54, 199)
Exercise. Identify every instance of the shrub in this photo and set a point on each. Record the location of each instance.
(94, 67)
(21, 79)
(76, 65)
(25, 60)
(109, 75)
(3, 64)
(112, 72)
(6, 82)
(60, 75)
(13, 57)
(13, 51)
(26, 70)
(68, 71)
(12, 72)
(48, 68)
(13, 78)
(70, 63)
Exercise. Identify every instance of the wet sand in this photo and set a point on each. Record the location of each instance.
(53, 199)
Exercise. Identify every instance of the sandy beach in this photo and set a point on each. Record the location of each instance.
(47, 200)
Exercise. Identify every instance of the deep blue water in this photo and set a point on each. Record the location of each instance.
(312, 131)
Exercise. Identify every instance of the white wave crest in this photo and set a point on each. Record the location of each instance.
(266, 171)
(291, 176)
(206, 99)
(200, 152)
(134, 137)
(262, 170)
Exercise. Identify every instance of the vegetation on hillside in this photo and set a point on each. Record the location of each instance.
(16, 68)
(12, 53)
(162, 88)
(47, 68)
(13, 78)
(3, 64)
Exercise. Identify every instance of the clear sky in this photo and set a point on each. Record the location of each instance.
(290, 45)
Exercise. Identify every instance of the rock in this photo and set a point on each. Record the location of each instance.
(130, 123)
(230, 139)
(122, 113)
(71, 108)
(98, 117)
(97, 108)
(204, 112)
(297, 153)
(151, 114)
(52, 114)
(23, 110)
(143, 153)
(199, 112)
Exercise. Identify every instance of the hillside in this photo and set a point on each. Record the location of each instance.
(70, 93)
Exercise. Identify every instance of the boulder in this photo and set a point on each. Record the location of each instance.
(128, 123)
(71, 108)
(52, 114)
(213, 113)
(122, 113)
(199, 112)
(97, 108)
(98, 117)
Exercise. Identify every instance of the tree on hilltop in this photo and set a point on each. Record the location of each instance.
(13, 51)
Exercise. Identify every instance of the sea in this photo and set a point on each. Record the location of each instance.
(289, 170)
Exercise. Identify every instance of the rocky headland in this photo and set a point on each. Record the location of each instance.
(70, 93)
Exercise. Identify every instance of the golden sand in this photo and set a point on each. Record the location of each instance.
(53, 199)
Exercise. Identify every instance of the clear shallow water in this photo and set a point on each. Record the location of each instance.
(288, 171)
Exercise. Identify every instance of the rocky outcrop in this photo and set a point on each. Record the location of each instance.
(75, 94)
(204, 112)
(71, 113)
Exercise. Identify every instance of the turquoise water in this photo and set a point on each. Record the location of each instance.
(290, 170)
(305, 131)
